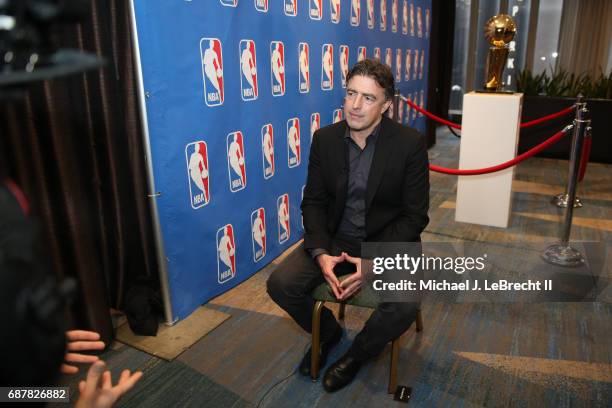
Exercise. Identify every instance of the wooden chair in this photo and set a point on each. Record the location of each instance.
(364, 298)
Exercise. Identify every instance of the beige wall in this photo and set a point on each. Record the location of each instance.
(585, 36)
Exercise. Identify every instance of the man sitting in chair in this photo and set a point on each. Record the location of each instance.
(368, 181)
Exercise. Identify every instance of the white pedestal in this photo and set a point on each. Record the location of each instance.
(489, 136)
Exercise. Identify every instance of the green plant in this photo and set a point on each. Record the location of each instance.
(529, 84)
(556, 84)
(602, 86)
(559, 82)
(578, 84)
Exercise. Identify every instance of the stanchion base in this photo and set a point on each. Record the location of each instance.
(561, 201)
(563, 255)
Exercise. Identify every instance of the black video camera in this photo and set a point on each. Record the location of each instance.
(27, 51)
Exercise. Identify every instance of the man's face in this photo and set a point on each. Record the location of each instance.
(364, 103)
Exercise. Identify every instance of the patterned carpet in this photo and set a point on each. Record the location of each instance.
(469, 355)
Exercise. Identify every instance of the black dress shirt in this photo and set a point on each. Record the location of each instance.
(352, 224)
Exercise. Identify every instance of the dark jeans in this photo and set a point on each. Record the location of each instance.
(292, 282)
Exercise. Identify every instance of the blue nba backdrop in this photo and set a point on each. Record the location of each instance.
(234, 92)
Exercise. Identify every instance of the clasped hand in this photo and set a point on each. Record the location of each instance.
(351, 284)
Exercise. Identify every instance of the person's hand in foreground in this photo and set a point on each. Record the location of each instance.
(80, 340)
(97, 391)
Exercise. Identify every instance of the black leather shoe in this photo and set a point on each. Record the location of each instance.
(341, 373)
(324, 349)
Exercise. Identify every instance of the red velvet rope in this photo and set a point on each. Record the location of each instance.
(534, 150)
(19, 196)
(548, 117)
(584, 159)
(458, 126)
(431, 115)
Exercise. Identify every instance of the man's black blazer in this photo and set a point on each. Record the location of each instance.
(397, 193)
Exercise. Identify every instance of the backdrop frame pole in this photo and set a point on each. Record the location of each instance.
(153, 194)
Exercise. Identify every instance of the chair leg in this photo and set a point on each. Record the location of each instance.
(316, 340)
(341, 311)
(393, 367)
(395, 355)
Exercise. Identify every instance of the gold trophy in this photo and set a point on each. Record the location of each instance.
(499, 31)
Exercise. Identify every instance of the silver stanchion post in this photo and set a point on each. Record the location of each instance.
(562, 253)
(560, 200)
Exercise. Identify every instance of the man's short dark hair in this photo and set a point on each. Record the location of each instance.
(376, 70)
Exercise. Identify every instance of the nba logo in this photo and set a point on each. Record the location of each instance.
(277, 59)
(337, 115)
(416, 64)
(282, 209)
(398, 65)
(344, 61)
(304, 64)
(405, 17)
(400, 110)
(377, 53)
(261, 5)
(236, 166)
(315, 123)
(412, 19)
(267, 150)
(355, 12)
(422, 64)
(370, 10)
(407, 118)
(294, 156)
(327, 67)
(334, 6)
(388, 57)
(229, 3)
(383, 15)
(258, 233)
(408, 65)
(291, 8)
(226, 254)
(427, 22)
(422, 102)
(248, 68)
(361, 53)
(196, 154)
(394, 16)
(212, 71)
(316, 9)
(419, 23)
